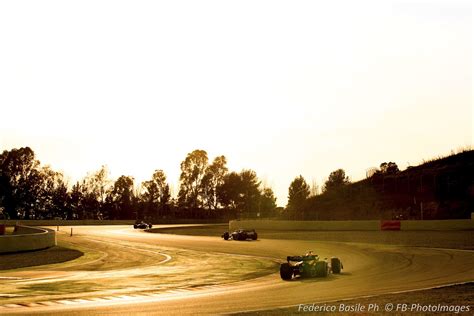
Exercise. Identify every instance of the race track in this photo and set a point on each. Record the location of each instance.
(369, 269)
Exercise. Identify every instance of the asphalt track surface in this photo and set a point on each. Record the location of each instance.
(369, 269)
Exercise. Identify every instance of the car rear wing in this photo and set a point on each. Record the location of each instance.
(301, 258)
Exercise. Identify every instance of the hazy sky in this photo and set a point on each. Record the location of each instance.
(281, 87)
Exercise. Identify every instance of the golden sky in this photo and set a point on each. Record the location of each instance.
(281, 87)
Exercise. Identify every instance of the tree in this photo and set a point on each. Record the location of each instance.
(213, 178)
(52, 195)
(336, 180)
(298, 193)
(228, 192)
(314, 190)
(267, 203)
(240, 192)
(76, 202)
(123, 198)
(18, 181)
(389, 168)
(250, 194)
(156, 195)
(193, 170)
(97, 185)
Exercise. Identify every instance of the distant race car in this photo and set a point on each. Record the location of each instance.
(309, 266)
(142, 225)
(241, 234)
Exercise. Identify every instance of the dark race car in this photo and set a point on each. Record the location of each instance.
(142, 225)
(241, 234)
(309, 266)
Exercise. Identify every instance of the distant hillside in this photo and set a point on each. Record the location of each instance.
(442, 188)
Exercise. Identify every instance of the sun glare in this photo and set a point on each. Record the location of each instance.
(283, 89)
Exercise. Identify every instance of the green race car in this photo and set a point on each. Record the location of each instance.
(309, 266)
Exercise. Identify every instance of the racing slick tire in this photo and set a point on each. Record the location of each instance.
(321, 269)
(254, 236)
(286, 272)
(336, 265)
(226, 236)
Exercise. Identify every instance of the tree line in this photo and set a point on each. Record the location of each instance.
(340, 199)
(208, 190)
(441, 188)
(300, 194)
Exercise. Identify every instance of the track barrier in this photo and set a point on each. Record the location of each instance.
(26, 238)
(369, 225)
(390, 225)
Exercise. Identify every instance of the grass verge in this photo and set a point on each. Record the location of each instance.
(57, 254)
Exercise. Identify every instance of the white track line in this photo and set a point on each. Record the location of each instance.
(167, 257)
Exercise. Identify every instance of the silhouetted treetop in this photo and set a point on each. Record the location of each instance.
(193, 170)
(337, 179)
(389, 168)
(267, 203)
(298, 193)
